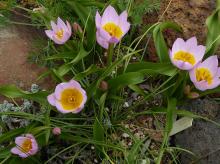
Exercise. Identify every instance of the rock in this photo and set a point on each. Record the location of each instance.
(15, 45)
(203, 137)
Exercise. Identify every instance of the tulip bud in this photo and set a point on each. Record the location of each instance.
(103, 86)
(187, 89)
(56, 131)
(193, 95)
(77, 28)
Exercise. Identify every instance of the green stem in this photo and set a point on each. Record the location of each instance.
(218, 3)
(110, 54)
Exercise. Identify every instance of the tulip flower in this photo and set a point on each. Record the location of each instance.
(111, 27)
(60, 32)
(206, 75)
(25, 146)
(68, 97)
(185, 55)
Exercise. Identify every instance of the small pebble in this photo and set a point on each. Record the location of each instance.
(125, 135)
(134, 58)
(126, 105)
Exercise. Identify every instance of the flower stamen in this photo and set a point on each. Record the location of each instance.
(113, 30)
(26, 145)
(204, 74)
(71, 98)
(59, 34)
(185, 57)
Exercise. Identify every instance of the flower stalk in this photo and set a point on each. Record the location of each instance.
(110, 54)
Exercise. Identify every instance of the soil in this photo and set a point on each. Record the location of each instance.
(190, 15)
(15, 46)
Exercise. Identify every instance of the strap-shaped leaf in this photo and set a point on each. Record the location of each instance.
(160, 44)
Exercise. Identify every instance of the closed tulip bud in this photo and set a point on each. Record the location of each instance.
(103, 86)
(187, 89)
(77, 28)
(193, 95)
(56, 131)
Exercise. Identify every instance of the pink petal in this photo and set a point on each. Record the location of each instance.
(49, 33)
(98, 20)
(198, 52)
(78, 110)
(61, 24)
(178, 45)
(201, 85)
(110, 15)
(60, 87)
(51, 99)
(69, 28)
(58, 90)
(192, 74)
(34, 149)
(54, 26)
(15, 150)
(113, 40)
(24, 155)
(75, 83)
(182, 65)
(123, 23)
(211, 63)
(218, 72)
(105, 35)
(61, 109)
(101, 41)
(191, 42)
(19, 140)
(66, 37)
(57, 41)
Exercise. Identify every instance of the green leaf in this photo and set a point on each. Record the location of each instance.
(213, 36)
(4, 153)
(170, 110)
(12, 91)
(133, 153)
(92, 69)
(126, 79)
(138, 90)
(64, 69)
(169, 124)
(8, 136)
(87, 19)
(160, 44)
(64, 55)
(98, 135)
(152, 68)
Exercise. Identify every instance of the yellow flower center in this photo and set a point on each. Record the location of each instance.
(204, 74)
(59, 34)
(71, 99)
(185, 57)
(113, 30)
(26, 145)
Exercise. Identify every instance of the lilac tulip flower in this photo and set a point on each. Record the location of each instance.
(186, 54)
(111, 27)
(25, 146)
(60, 32)
(68, 97)
(206, 75)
